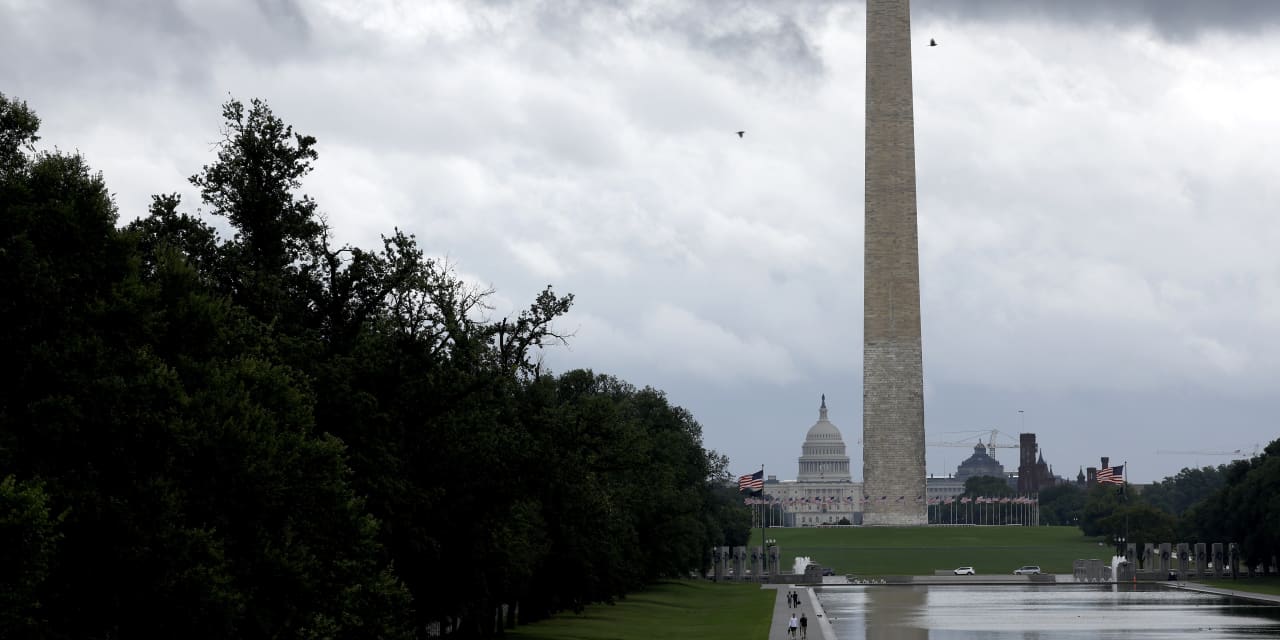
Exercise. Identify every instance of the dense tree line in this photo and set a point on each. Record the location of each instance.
(1237, 503)
(270, 436)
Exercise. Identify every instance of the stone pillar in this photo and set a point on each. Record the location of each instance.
(1131, 554)
(718, 557)
(739, 563)
(1093, 570)
(1166, 559)
(775, 555)
(1149, 556)
(1202, 560)
(892, 363)
(1218, 559)
(1184, 555)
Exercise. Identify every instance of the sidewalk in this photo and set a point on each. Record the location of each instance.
(1192, 586)
(819, 627)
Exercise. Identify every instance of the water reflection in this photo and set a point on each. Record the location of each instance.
(1041, 612)
(890, 613)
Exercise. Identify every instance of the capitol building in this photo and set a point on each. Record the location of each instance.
(823, 492)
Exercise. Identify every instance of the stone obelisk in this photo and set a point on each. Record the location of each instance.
(892, 368)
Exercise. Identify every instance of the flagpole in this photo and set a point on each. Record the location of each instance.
(764, 548)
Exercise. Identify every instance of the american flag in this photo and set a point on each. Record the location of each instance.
(1111, 475)
(751, 481)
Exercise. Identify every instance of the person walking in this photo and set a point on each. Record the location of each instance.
(792, 626)
(804, 627)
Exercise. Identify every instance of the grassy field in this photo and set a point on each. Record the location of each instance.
(1269, 585)
(690, 609)
(880, 551)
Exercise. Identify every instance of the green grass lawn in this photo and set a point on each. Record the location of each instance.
(689, 609)
(1269, 585)
(880, 551)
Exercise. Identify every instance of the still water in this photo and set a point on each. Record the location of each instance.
(1042, 613)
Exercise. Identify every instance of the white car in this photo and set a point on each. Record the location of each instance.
(965, 571)
(1029, 570)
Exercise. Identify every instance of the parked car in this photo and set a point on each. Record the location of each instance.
(1028, 570)
(965, 571)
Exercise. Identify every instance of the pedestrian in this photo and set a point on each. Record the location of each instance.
(804, 626)
(791, 599)
(792, 626)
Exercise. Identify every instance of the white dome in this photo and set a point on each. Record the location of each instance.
(823, 457)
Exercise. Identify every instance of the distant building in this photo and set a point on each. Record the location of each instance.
(980, 464)
(1034, 474)
(823, 491)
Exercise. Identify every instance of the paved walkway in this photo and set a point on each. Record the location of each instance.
(819, 626)
(1192, 586)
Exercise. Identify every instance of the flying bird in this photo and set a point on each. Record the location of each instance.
(740, 133)
(932, 42)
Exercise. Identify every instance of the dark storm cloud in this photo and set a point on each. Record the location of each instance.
(1173, 19)
(761, 37)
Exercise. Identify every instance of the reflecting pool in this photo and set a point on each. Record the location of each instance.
(1042, 612)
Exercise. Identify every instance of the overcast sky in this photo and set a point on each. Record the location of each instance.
(1097, 187)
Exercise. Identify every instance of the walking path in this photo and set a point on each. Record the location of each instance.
(819, 626)
(1192, 586)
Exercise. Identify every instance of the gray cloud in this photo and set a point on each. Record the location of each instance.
(1173, 19)
(103, 46)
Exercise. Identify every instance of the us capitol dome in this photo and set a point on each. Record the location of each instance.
(823, 492)
(823, 457)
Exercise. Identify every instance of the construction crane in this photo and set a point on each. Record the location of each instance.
(1234, 453)
(991, 445)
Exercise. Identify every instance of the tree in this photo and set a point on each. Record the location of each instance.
(1139, 523)
(1246, 510)
(260, 166)
(1061, 505)
(1101, 501)
(193, 497)
(1177, 494)
(28, 544)
(268, 436)
(986, 486)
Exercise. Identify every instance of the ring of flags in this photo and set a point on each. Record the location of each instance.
(825, 501)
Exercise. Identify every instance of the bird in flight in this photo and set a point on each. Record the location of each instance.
(740, 133)
(932, 42)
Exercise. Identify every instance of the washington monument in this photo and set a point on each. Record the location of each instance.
(892, 366)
